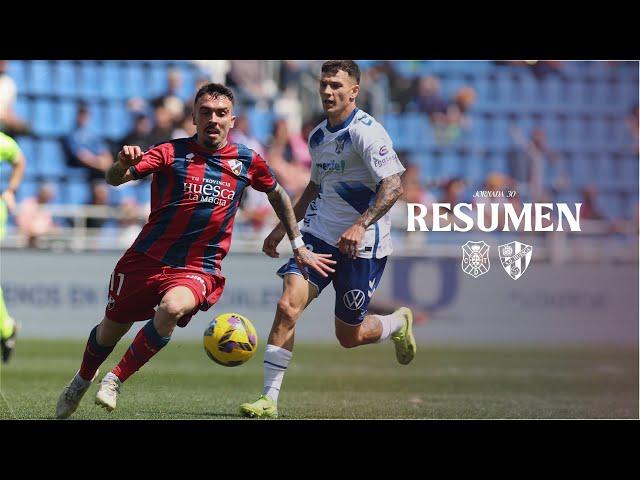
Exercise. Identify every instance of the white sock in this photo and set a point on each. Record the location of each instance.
(276, 361)
(390, 325)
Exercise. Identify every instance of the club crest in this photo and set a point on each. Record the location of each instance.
(236, 166)
(515, 258)
(475, 258)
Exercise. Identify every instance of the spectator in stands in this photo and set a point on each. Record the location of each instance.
(374, 92)
(250, 80)
(10, 123)
(288, 106)
(85, 149)
(452, 190)
(539, 68)
(288, 157)
(457, 111)
(290, 74)
(402, 90)
(140, 134)
(241, 133)
(213, 71)
(589, 209)
(171, 99)
(185, 127)
(162, 125)
(99, 197)
(34, 219)
(529, 159)
(430, 102)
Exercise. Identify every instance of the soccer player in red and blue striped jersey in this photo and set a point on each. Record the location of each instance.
(176, 261)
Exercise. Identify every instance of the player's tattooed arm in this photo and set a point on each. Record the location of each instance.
(320, 262)
(281, 204)
(119, 172)
(388, 193)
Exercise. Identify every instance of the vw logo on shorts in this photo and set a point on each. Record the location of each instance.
(353, 299)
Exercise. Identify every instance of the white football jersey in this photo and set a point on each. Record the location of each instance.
(349, 161)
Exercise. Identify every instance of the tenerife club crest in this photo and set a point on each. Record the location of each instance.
(515, 258)
(475, 258)
(236, 166)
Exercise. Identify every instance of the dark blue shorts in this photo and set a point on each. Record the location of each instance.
(354, 280)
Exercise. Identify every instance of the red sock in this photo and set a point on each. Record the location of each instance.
(94, 356)
(147, 343)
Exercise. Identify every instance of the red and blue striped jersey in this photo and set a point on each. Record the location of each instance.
(195, 194)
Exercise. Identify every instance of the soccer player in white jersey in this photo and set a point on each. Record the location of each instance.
(355, 180)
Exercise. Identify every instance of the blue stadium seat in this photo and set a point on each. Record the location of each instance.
(77, 193)
(89, 80)
(502, 135)
(418, 130)
(66, 110)
(187, 89)
(111, 80)
(134, 82)
(143, 192)
(261, 122)
(117, 120)
(50, 161)
(118, 194)
(23, 107)
(40, 77)
(157, 79)
(391, 123)
(17, 71)
(96, 117)
(28, 147)
(43, 117)
(64, 81)
(472, 167)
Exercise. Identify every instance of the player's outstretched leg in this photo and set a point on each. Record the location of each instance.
(102, 340)
(377, 329)
(297, 294)
(154, 336)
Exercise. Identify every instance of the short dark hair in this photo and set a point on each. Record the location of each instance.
(215, 90)
(348, 66)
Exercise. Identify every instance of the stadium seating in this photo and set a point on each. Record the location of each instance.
(582, 109)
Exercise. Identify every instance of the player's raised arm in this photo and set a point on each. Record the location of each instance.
(119, 172)
(281, 204)
(388, 193)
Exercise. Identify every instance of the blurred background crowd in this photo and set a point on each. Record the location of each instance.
(556, 131)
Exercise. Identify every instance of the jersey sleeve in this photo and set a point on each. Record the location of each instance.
(9, 149)
(260, 175)
(154, 160)
(373, 144)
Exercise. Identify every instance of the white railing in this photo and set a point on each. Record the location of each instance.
(595, 243)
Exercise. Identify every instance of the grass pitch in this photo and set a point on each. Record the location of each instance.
(326, 381)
